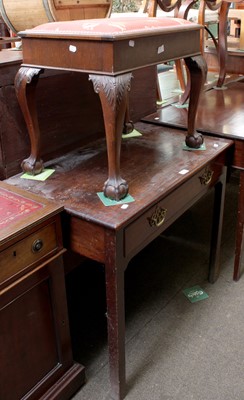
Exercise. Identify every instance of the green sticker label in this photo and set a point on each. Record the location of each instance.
(179, 105)
(185, 147)
(160, 102)
(108, 202)
(195, 293)
(39, 177)
(134, 133)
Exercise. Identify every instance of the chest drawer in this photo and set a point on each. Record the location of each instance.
(25, 253)
(163, 213)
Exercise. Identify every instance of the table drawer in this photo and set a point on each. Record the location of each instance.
(26, 252)
(166, 211)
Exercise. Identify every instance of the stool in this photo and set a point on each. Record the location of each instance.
(108, 50)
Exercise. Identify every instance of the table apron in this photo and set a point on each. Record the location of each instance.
(141, 231)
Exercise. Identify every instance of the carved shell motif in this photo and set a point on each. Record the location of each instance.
(26, 74)
(114, 87)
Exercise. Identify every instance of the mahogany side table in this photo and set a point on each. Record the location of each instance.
(165, 181)
(35, 346)
(108, 50)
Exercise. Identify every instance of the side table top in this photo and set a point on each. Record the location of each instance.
(151, 163)
(220, 112)
(8, 57)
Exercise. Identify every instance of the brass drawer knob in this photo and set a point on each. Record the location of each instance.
(206, 177)
(158, 217)
(37, 245)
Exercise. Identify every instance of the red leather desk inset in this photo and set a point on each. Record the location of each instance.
(107, 49)
(14, 206)
(35, 346)
(112, 235)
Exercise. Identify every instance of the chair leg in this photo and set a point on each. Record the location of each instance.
(222, 42)
(180, 74)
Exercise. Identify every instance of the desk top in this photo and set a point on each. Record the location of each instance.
(151, 164)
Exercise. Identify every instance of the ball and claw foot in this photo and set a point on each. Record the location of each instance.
(32, 167)
(115, 192)
(194, 141)
(128, 127)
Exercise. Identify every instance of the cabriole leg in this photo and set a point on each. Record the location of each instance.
(198, 71)
(113, 91)
(25, 86)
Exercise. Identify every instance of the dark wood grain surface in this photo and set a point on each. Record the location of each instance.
(151, 164)
(220, 112)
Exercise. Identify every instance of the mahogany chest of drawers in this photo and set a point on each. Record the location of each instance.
(35, 348)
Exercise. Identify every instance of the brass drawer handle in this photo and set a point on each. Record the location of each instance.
(37, 245)
(206, 177)
(158, 217)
